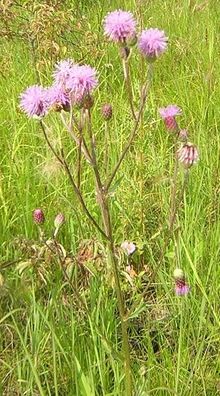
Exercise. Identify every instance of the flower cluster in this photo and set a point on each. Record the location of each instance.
(72, 83)
(120, 27)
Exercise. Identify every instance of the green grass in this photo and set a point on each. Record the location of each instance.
(48, 344)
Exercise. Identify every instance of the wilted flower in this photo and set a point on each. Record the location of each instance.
(128, 247)
(62, 71)
(188, 154)
(120, 26)
(82, 81)
(33, 101)
(107, 111)
(57, 98)
(168, 114)
(38, 216)
(181, 286)
(152, 43)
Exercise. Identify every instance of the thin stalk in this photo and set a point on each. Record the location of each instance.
(174, 186)
(106, 147)
(135, 128)
(172, 222)
(106, 219)
(79, 164)
(69, 128)
(63, 162)
(127, 77)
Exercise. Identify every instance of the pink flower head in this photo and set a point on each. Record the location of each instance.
(128, 247)
(82, 81)
(33, 101)
(57, 97)
(188, 154)
(168, 114)
(181, 286)
(119, 26)
(62, 71)
(38, 216)
(152, 43)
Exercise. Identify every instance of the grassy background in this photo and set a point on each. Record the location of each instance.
(48, 345)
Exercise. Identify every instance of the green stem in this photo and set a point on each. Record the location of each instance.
(127, 76)
(102, 196)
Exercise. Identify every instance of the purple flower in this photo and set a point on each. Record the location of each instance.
(181, 286)
(170, 111)
(188, 154)
(119, 26)
(62, 71)
(128, 247)
(168, 114)
(82, 81)
(152, 43)
(33, 101)
(57, 98)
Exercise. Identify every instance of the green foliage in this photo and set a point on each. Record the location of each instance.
(48, 343)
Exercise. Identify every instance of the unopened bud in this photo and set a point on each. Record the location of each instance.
(107, 111)
(59, 220)
(38, 216)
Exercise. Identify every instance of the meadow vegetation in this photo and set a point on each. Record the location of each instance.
(60, 326)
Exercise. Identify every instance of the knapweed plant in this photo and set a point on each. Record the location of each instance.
(72, 96)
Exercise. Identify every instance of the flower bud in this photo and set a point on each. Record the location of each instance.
(107, 111)
(183, 135)
(59, 220)
(124, 52)
(188, 154)
(38, 216)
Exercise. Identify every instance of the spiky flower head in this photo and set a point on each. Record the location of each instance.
(181, 286)
(82, 81)
(59, 220)
(58, 98)
(32, 101)
(188, 154)
(38, 216)
(120, 26)
(62, 71)
(107, 111)
(128, 247)
(152, 43)
(169, 114)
